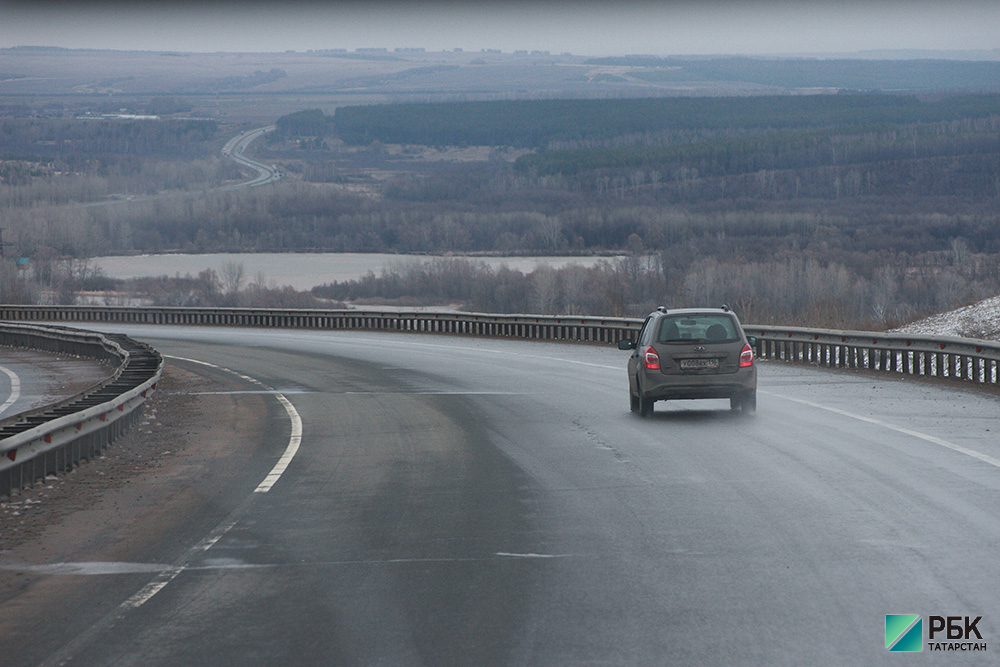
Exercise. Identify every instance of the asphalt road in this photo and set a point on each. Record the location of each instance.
(234, 150)
(486, 502)
(31, 379)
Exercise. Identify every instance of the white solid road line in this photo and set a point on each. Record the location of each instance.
(293, 447)
(169, 574)
(985, 458)
(15, 389)
(294, 440)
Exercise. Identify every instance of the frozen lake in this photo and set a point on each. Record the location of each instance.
(302, 271)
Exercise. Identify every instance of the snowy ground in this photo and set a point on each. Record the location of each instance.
(980, 320)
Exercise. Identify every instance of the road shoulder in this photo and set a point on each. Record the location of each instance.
(191, 443)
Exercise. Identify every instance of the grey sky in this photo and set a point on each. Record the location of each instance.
(586, 28)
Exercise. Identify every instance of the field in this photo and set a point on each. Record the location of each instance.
(257, 88)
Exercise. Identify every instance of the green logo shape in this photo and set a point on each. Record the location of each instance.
(904, 632)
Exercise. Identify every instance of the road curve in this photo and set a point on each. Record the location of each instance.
(235, 150)
(465, 501)
(31, 379)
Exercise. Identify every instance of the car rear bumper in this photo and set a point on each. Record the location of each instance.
(658, 387)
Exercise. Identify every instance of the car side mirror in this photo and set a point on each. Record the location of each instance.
(752, 340)
(626, 344)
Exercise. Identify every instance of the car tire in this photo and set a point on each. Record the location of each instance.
(633, 401)
(750, 402)
(735, 403)
(645, 404)
(645, 407)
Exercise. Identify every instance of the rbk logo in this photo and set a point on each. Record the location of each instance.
(904, 632)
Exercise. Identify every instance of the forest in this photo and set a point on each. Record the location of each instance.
(835, 210)
(541, 123)
(60, 161)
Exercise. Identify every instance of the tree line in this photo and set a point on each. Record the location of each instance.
(785, 151)
(77, 141)
(59, 161)
(807, 291)
(537, 123)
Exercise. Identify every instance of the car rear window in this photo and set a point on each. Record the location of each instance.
(697, 328)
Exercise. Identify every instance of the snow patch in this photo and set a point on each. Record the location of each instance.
(980, 320)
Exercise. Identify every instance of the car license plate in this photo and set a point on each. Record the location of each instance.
(699, 364)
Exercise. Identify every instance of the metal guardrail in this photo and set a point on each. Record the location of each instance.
(975, 361)
(56, 437)
(537, 327)
(950, 357)
(933, 356)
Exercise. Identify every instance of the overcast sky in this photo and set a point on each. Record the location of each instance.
(586, 28)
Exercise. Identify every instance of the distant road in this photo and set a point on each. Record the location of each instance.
(234, 150)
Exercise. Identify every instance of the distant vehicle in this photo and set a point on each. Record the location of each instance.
(691, 353)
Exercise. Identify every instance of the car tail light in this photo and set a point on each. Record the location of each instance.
(746, 356)
(652, 359)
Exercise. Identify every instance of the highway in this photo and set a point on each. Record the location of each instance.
(31, 379)
(234, 150)
(427, 500)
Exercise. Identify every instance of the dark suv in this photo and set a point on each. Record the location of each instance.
(691, 353)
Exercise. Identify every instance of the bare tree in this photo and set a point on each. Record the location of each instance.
(233, 276)
(545, 290)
